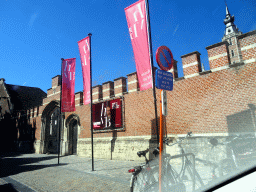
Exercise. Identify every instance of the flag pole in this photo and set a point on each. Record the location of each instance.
(152, 69)
(60, 122)
(91, 99)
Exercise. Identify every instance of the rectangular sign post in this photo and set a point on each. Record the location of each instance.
(164, 80)
(164, 102)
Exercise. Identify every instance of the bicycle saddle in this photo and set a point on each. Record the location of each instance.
(156, 151)
(143, 153)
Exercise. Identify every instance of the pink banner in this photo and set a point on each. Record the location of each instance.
(68, 85)
(137, 24)
(84, 49)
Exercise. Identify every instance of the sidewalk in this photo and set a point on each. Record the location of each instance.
(40, 172)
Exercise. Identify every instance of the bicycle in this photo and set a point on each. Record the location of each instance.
(146, 176)
(242, 151)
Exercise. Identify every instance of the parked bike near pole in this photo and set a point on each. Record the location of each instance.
(146, 176)
(241, 151)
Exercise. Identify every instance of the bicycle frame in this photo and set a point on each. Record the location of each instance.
(186, 165)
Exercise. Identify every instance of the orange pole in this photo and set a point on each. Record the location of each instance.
(160, 142)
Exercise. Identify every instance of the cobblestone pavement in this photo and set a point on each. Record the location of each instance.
(39, 172)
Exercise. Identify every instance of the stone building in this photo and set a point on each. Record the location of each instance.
(213, 103)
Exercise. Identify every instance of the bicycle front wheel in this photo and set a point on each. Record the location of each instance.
(143, 181)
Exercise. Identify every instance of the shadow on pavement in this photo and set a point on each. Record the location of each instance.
(11, 165)
(7, 187)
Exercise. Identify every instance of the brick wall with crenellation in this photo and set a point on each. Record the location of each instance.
(204, 103)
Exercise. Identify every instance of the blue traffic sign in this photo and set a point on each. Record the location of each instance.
(164, 80)
(164, 58)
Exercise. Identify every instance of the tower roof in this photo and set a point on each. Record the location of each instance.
(231, 29)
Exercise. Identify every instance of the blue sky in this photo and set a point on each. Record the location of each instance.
(35, 35)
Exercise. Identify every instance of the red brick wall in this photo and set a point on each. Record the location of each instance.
(191, 63)
(247, 43)
(200, 104)
(218, 55)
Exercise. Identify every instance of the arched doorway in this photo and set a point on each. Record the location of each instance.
(73, 124)
(73, 137)
(50, 128)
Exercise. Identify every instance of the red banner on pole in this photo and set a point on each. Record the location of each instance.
(137, 24)
(68, 85)
(84, 49)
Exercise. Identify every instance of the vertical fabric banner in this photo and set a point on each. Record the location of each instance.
(84, 49)
(137, 24)
(68, 85)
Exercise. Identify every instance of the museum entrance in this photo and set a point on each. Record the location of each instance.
(73, 129)
(50, 128)
(53, 131)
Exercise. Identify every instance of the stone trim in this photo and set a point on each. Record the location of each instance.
(200, 135)
(95, 93)
(250, 60)
(53, 94)
(216, 45)
(118, 86)
(190, 64)
(248, 47)
(119, 78)
(192, 75)
(149, 136)
(205, 72)
(119, 94)
(132, 73)
(46, 103)
(217, 56)
(192, 53)
(107, 97)
(105, 90)
(131, 82)
(107, 82)
(247, 34)
(220, 68)
(133, 90)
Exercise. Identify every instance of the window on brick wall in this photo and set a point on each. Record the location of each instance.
(37, 111)
(232, 53)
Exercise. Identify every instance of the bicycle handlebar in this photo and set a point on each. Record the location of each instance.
(188, 135)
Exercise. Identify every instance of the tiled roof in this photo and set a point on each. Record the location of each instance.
(25, 97)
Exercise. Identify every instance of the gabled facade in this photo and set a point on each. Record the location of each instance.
(15, 100)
